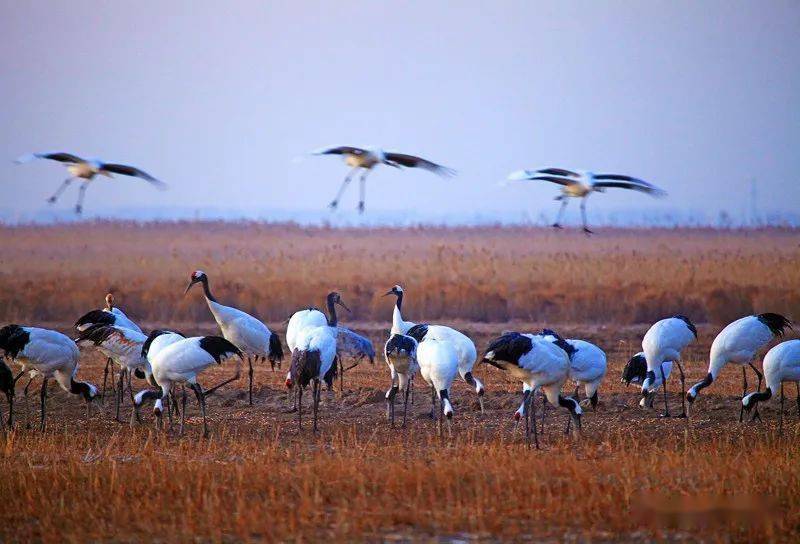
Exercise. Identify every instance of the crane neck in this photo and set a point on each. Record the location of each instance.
(207, 289)
(333, 320)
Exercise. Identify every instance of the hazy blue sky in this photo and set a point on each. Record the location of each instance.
(216, 99)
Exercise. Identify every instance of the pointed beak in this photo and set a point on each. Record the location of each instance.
(189, 287)
(389, 292)
(342, 304)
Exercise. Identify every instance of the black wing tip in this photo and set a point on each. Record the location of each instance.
(688, 323)
(218, 347)
(96, 317)
(777, 323)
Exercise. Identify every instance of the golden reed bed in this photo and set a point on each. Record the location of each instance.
(632, 476)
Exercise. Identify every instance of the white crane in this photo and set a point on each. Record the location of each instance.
(438, 366)
(367, 158)
(313, 357)
(178, 360)
(582, 184)
(665, 341)
(467, 354)
(247, 333)
(49, 353)
(740, 343)
(110, 315)
(635, 371)
(781, 364)
(124, 347)
(539, 363)
(400, 352)
(86, 170)
(587, 368)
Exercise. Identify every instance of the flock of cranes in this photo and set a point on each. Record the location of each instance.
(168, 361)
(362, 160)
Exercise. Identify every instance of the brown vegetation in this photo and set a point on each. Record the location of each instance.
(631, 477)
(475, 274)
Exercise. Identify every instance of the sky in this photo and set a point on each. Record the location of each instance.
(219, 101)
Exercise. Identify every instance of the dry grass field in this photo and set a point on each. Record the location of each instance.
(631, 476)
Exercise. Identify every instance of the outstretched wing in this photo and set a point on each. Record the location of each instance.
(542, 175)
(68, 158)
(126, 170)
(341, 150)
(621, 181)
(411, 161)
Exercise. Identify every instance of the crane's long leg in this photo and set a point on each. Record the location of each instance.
(61, 189)
(316, 388)
(780, 419)
(11, 396)
(27, 404)
(405, 402)
(544, 409)
(135, 414)
(563, 199)
(344, 185)
(583, 216)
(664, 385)
(531, 410)
(105, 378)
(756, 414)
(183, 409)
(201, 399)
(299, 406)
(81, 196)
(683, 391)
(210, 392)
(362, 191)
(120, 391)
(744, 392)
(433, 403)
(44, 404)
(250, 378)
(797, 385)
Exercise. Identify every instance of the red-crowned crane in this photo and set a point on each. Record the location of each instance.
(665, 341)
(8, 383)
(781, 364)
(86, 170)
(181, 361)
(247, 333)
(467, 353)
(49, 353)
(582, 184)
(124, 347)
(400, 352)
(367, 158)
(538, 362)
(313, 357)
(635, 371)
(739, 343)
(110, 315)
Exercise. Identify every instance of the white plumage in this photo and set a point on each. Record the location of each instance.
(177, 360)
(465, 348)
(250, 335)
(665, 341)
(49, 354)
(739, 343)
(438, 366)
(314, 355)
(537, 362)
(781, 364)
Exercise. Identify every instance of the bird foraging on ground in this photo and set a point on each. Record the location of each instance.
(635, 371)
(86, 170)
(665, 341)
(367, 158)
(781, 364)
(582, 184)
(400, 352)
(49, 354)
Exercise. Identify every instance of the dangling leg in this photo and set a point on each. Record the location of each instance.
(344, 185)
(201, 399)
(250, 378)
(744, 392)
(760, 376)
(683, 390)
(362, 191)
(563, 199)
(61, 189)
(81, 195)
(583, 216)
(664, 385)
(43, 401)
